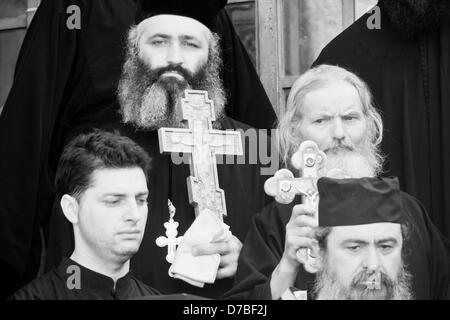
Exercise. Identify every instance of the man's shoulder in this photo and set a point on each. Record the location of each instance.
(142, 289)
(45, 287)
(413, 205)
(360, 42)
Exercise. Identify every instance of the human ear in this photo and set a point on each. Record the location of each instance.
(69, 206)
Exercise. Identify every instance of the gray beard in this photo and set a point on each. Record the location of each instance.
(352, 164)
(158, 109)
(150, 102)
(327, 287)
(353, 161)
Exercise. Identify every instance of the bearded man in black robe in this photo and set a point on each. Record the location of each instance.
(406, 63)
(333, 108)
(66, 81)
(173, 48)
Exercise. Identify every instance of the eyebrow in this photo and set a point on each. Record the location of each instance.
(188, 37)
(115, 194)
(358, 241)
(388, 239)
(166, 36)
(160, 35)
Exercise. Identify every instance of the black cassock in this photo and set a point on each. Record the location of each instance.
(410, 80)
(65, 81)
(90, 286)
(426, 255)
(244, 192)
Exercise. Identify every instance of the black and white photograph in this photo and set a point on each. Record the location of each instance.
(224, 154)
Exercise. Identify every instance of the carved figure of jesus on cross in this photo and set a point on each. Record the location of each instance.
(203, 143)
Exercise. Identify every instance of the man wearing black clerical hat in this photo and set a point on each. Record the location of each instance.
(65, 82)
(333, 108)
(361, 237)
(173, 46)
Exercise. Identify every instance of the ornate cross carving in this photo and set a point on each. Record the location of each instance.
(203, 143)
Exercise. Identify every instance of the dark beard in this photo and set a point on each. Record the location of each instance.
(415, 17)
(150, 100)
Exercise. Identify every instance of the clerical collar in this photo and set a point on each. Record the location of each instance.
(92, 281)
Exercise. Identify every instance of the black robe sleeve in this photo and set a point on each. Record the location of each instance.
(261, 253)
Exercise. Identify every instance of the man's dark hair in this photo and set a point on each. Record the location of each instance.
(96, 150)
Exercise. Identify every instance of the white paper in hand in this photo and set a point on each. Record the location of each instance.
(198, 270)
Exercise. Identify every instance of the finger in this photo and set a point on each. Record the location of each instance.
(296, 242)
(303, 209)
(307, 232)
(302, 221)
(221, 248)
(235, 244)
(226, 272)
(306, 221)
(227, 259)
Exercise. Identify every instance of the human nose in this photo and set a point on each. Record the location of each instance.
(338, 130)
(174, 55)
(372, 261)
(132, 212)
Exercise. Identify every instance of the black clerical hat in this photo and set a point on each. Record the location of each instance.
(204, 11)
(346, 202)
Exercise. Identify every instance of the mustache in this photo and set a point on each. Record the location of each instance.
(187, 75)
(335, 147)
(362, 280)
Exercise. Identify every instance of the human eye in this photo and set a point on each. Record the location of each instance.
(353, 248)
(386, 248)
(319, 121)
(350, 117)
(141, 201)
(158, 42)
(113, 201)
(192, 44)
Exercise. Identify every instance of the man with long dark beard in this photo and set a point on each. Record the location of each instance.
(66, 80)
(332, 107)
(172, 48)
(406, 63)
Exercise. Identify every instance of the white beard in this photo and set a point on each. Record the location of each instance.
(353, 164)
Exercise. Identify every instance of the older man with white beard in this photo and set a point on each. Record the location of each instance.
(401, 49)
(172, 48)
(333, 108)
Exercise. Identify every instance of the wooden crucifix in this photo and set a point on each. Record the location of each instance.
(202, 143)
